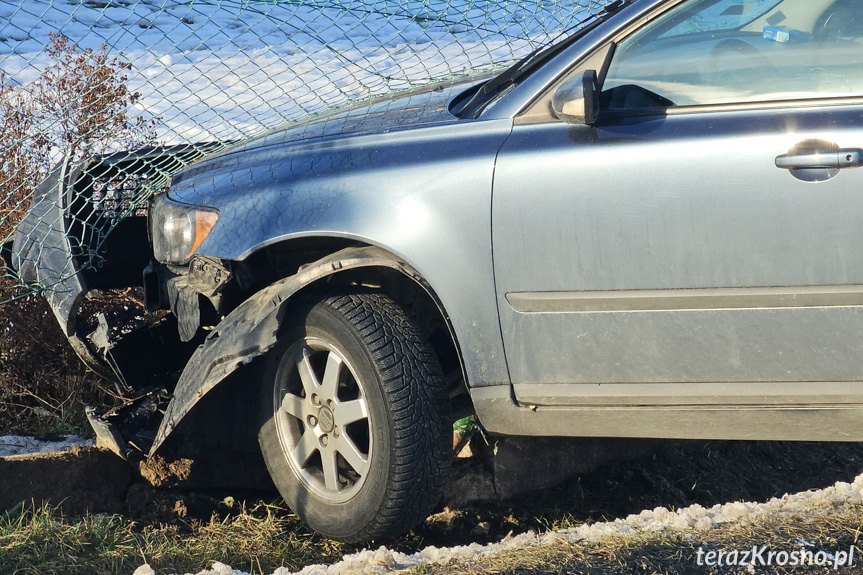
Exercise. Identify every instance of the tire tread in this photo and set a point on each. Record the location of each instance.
(411, 376)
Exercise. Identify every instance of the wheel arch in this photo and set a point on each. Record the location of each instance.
(396, 277)
(251, 329)
(420, 302)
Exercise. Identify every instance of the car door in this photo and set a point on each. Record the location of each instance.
(702, 243)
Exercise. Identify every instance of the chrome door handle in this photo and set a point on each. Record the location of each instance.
(846, 158)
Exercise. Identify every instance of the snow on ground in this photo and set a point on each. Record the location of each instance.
(226, 69)
(18, 444)
(690, 519)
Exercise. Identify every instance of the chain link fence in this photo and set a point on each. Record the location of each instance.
(101, 101)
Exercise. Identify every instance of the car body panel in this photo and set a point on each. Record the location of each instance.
(423, 194)
(501, 414)
(699, 205)
(423, 106)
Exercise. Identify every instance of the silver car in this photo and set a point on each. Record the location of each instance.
(652, 228)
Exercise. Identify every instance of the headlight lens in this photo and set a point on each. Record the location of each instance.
(179, 229)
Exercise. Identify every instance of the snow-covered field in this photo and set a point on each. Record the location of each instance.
(226, 69)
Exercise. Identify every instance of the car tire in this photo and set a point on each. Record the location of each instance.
(355, 427)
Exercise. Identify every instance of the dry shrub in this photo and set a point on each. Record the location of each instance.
(82, 102)
(78, 107)
(23, 154)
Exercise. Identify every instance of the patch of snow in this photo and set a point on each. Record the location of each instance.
(221, 569)
(21, 444)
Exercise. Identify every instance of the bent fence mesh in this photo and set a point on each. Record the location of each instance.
(101, 101)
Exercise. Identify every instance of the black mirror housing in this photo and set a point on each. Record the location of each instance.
(576, 101)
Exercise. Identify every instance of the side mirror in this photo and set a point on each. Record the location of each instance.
(576, 101)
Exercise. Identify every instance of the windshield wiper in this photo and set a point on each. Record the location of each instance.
(510, 76)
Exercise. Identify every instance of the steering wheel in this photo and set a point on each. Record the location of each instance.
(840, 21)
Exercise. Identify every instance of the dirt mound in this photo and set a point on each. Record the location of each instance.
(79, 480)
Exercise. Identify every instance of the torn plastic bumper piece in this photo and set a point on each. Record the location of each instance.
(107, 434)
(51, 247)
(42, 252)
(129, 428)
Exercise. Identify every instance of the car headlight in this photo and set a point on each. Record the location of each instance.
(179, 229)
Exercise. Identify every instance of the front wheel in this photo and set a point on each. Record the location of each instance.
(355, 418)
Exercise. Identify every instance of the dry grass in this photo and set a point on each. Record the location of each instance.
(263, 536)
(258, 539)
(43, 385)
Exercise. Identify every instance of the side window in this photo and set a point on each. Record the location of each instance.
(734, 51)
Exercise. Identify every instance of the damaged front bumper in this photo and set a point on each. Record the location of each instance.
(86, 232)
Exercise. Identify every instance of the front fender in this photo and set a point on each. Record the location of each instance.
(424, 195)
(252, 329)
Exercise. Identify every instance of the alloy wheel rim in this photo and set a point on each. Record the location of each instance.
(322, 419)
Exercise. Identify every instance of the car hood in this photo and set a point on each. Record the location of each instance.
(425, 106)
